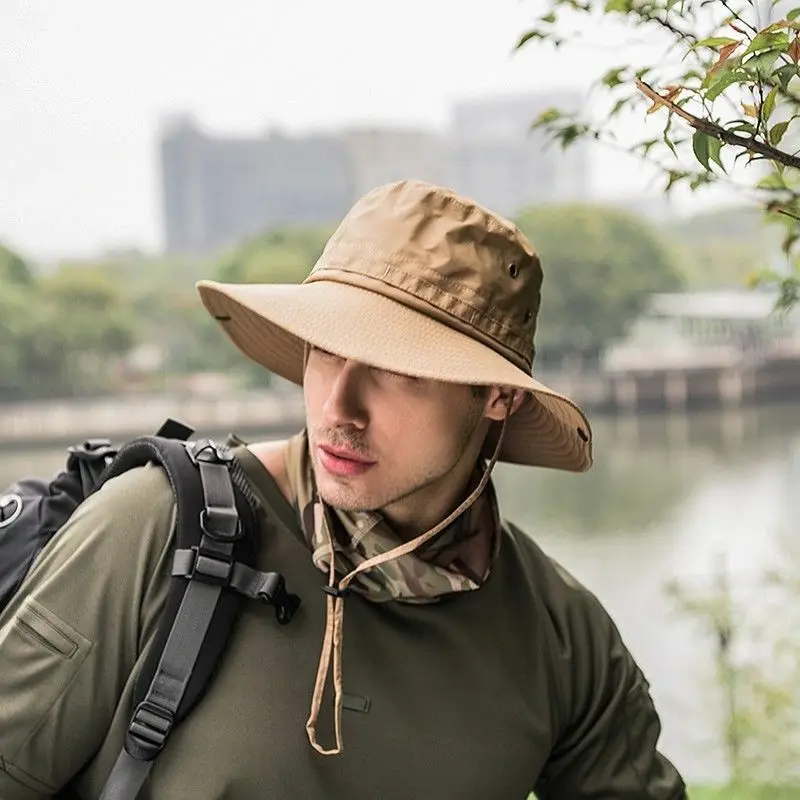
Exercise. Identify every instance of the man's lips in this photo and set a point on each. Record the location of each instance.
(343, 453)
(342, 462)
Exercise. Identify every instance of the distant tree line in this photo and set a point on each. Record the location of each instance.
(76, 330)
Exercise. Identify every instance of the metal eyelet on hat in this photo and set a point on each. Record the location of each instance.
(513, 269)
(528, 315)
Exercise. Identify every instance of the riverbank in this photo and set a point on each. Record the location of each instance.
(640, 390)
(45, 424)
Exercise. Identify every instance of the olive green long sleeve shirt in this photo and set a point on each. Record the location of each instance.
(522, 685)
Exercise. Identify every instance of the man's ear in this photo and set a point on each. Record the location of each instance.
(498, 400)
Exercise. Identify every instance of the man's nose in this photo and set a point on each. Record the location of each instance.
(344, 405)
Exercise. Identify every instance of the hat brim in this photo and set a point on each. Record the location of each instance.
(270, 323)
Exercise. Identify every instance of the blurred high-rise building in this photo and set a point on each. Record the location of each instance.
(502, 163)
(381, 155)
(218, 191)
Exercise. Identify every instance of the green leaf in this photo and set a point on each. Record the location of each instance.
(772, 181)
(619, 106)
(547, 117)
(527, 36)
(722, 82)
(761, 65)
(776, 132)
(701, 147)
(793, 14)
(742, 127)
(622, 6)
(613, 77)
(674, 177)
(666, 136)
(768, 40)
(716, 41)
(769, 104)
(715, 151)
(784, 74)
(647, 145)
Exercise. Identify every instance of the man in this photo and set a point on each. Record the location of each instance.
(472, 665)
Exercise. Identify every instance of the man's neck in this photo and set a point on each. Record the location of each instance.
(412, 516)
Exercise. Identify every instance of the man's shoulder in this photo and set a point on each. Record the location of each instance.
(137, 491)
(271, 457)
(569, 603)
(127, 512)
(533, 557)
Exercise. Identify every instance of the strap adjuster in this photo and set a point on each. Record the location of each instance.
(148, 731)
(210, 568)
(335, 591)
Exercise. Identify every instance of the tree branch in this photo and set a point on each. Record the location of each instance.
(684, 36)
(738, 17)
(718, 132)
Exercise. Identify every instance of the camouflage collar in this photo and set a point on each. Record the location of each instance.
(439, 567)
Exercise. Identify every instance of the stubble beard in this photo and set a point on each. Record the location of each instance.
(345, 499)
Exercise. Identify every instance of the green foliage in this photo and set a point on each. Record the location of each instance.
(722, 249)
(13, 269)
(755, 630)
(71, 330)
(737, 792)
(280, 256)
(94, 313)
(726, 92)
(600, 264)
(63, 334)
(743, 792)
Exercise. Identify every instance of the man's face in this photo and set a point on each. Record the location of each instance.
(379, 440)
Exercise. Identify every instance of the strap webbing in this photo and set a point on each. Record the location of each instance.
(153, 718)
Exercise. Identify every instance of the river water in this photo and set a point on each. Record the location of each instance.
(666, 500)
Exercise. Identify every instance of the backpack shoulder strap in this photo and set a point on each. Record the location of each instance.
(213, 571)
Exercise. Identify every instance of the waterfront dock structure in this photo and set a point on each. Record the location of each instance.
(712, 381)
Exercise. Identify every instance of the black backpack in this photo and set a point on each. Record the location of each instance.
(213, 571)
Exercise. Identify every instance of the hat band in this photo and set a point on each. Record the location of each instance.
(425, 307)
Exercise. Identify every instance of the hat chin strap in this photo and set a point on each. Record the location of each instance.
(334, 631)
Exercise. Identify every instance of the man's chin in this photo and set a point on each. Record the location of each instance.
(343, 499)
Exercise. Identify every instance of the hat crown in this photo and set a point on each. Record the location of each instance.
(444, 255)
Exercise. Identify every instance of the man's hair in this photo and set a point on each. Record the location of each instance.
(479, 391)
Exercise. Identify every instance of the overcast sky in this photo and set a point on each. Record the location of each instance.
(84, 85)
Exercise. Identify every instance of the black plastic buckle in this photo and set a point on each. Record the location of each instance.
(208, 451)
(217, 521)
(147, 734)
(286, 605)
(274, 593)
(210, 568)
(335, 591)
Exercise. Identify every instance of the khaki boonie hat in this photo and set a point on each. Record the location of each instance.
(418, 280)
